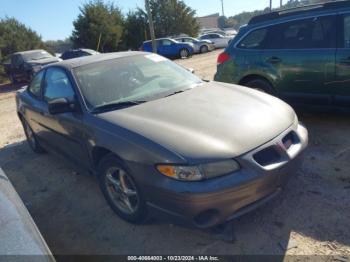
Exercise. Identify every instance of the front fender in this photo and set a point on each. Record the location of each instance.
(128, 145)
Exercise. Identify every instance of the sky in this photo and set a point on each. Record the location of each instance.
(53, 19)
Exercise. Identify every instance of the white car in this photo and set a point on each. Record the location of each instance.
(220, 41)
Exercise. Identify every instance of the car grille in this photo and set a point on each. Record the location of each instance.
(278, 152)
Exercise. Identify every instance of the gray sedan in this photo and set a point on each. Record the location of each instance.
(159, 139)
(199, 46)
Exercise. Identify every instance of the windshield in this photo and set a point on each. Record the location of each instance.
(132, 78)
(36, 55)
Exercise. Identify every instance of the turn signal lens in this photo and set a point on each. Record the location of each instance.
(187, 173)
(222, 58)
(167, 170)
(200, 172)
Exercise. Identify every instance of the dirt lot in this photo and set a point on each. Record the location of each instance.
(310, 217)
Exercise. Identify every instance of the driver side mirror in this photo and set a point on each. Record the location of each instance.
(61, 105)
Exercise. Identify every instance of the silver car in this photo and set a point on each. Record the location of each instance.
(161, 140)
(199, 46)
(219, 40)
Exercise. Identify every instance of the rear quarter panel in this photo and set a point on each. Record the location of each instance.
(242, 63)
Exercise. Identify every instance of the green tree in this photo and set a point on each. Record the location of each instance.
(98, 22)
(173, 17)
(222, 20)
(136, 29)
(225, 22)
(59, 46)
(15, 37)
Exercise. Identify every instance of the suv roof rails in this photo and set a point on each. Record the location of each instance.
(298, 10)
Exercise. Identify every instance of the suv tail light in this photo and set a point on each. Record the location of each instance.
(222, 58)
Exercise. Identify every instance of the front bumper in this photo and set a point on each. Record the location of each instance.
(210, 202)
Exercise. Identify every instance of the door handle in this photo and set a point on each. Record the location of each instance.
(274, 60)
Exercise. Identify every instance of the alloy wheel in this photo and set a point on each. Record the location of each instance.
(183, 53)
(122, 190)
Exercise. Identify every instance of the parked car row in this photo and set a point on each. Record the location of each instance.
(22, 66)
(186, 46)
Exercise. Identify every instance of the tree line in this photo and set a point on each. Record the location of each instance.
(101, 25)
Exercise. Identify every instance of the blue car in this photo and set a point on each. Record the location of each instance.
(169, 48)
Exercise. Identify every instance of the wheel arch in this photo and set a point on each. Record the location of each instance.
(98, 153)
(252, 77)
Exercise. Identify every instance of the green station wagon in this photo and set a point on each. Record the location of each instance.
(301, 55)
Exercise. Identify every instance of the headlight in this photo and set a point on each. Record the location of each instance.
(199, 172)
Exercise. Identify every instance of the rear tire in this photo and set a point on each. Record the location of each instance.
(204, 49)
(184, 53)
(120, 190)
(260, 85)
(31, 138)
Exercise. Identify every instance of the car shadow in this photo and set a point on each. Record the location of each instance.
(73, 217)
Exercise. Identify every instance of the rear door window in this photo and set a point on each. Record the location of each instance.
(166, 42)
(254, 40)
(317, 32)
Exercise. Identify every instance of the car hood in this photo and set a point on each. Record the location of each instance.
(43, 61)
(211, 121)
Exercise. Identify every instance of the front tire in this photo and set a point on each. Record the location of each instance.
(31, 138)
(120, 190)
(184, 53)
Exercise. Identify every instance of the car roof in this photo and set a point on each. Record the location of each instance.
(86, 60)
(163, 38)
(285, 14)
(181, 37)
(29, 52)
(210, 33)
(81, 49)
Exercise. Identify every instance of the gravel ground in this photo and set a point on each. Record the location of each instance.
(310, 217)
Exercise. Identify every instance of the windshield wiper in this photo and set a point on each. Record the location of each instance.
(117, 105)
(177, 92)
